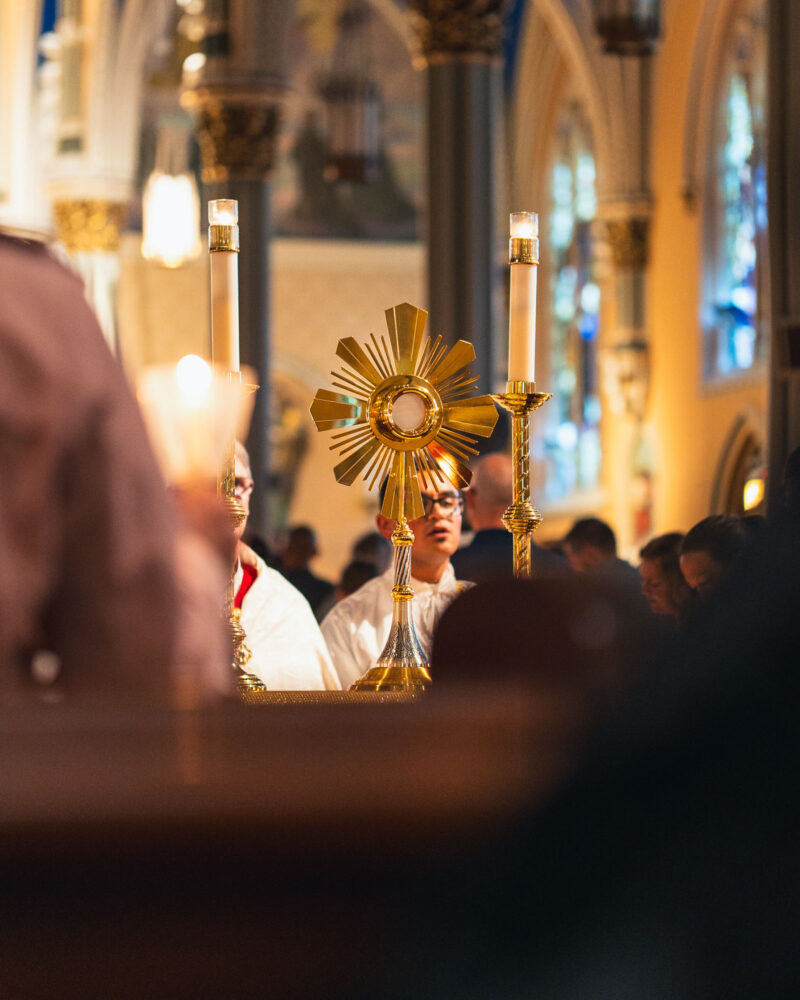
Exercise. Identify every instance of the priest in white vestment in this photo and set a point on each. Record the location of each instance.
(289, 653)
(356, 629)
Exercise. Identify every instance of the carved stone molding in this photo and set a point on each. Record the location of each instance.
(237, 133)
(85, 224)
(459, 29)
(628, 240)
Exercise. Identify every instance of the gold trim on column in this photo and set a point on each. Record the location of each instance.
(448, 30)
(628, 240)
(237, 132)
(89, 223)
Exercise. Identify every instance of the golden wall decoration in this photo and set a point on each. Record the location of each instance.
(86, 224)
(459, 29)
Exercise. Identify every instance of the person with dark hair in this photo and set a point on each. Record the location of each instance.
(373, 548)
(354, 576)
(301, 547)
(591, 547)
(356, 629)
(710, 551)
(589, 542)
(663, 584)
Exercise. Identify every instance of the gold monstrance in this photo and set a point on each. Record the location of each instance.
(408, 412)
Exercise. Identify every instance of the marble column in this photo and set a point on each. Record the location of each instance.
(783, 185)
(460, 45)
(627, 353)
(237, 97)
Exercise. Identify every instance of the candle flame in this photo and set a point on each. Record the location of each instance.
(223, 212)
(194, 377)
(524, 225)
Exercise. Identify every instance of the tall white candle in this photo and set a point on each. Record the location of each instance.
(223, 218)
(524, 261)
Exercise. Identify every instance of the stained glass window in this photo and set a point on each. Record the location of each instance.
(735, 300)
(571, 431)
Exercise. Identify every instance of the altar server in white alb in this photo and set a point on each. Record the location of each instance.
(356, 629)
(289, 653)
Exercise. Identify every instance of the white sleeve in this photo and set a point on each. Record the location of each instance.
(339, 634)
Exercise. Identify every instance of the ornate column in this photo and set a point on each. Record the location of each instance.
(627, 357)
(629, 32)
(99, 53)
(460, 44)
(237, 97)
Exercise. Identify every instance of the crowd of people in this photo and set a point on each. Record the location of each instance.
(143, 556)
(665, 864)
(677, 572)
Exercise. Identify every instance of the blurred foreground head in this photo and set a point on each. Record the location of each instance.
(563, 637)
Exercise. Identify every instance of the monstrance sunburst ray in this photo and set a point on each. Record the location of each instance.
(405, 408)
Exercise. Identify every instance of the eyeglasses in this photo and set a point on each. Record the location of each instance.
(450, 505)
(242, 487)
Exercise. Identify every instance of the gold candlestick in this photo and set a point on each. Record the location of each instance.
(223, 251)
(521, 518)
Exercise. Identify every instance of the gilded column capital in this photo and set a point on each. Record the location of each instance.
(628, 240)
(459, 29)
(237, 132)
(85, 224)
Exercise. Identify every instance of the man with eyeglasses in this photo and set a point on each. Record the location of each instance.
(357, 627)
(289, 653)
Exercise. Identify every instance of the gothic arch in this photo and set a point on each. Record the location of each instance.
(704, 80)
(559, 37)
(744, 448)
(555, 41)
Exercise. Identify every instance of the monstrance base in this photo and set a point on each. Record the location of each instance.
(394, 678)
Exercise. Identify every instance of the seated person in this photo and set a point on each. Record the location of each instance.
(711, 551)
(301, 548)
(357, 628)
(663, 585)
(590, 546)
(288, 650)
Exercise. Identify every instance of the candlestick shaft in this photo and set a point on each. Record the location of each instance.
(520, 444)
(521, 518)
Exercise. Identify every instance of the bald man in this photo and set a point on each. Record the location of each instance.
(490, 554)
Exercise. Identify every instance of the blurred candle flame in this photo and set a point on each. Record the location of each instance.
(193, 376)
